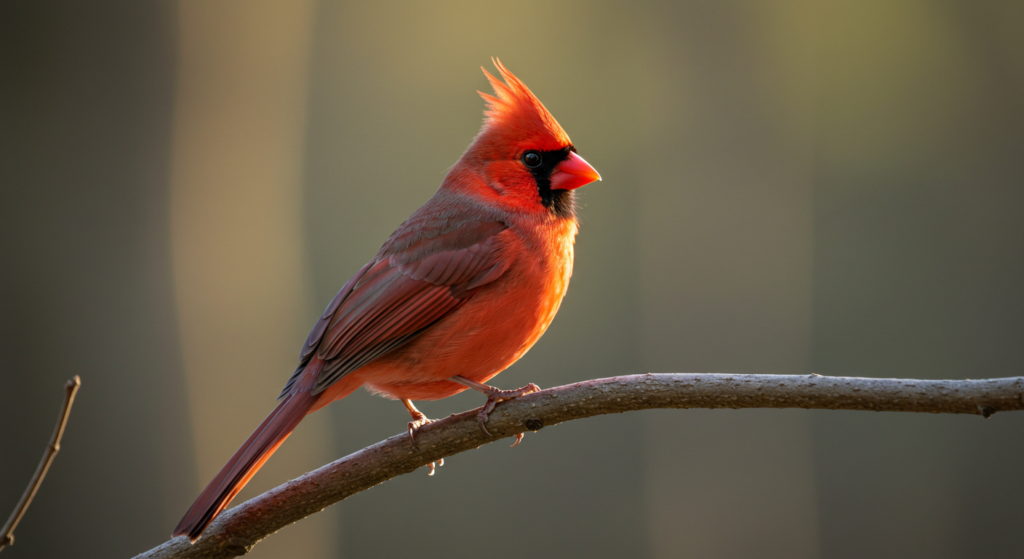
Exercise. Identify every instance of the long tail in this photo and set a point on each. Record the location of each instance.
(244, 464)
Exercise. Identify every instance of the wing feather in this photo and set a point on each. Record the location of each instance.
(313, 340)
(401, 293)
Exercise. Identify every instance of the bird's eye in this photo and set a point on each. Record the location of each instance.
(531, 159)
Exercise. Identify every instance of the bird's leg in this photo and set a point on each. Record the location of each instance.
(419, 420)
(494, 395)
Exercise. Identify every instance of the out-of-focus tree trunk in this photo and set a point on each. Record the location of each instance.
(237, 236)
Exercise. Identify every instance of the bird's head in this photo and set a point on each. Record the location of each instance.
(523, 155)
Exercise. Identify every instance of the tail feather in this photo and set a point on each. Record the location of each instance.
(246, 461)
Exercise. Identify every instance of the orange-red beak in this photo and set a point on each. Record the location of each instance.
(572, 173)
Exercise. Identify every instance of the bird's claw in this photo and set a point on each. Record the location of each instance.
(481, 417)
(416, 424)
(494, 396)
(418, 421)
(440, 462)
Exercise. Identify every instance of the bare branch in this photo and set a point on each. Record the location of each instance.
(239, 529)
(7, 534)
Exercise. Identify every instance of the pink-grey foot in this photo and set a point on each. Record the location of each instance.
(419, 420)
(495, 395)
(439, 463)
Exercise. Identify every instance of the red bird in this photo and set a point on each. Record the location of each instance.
(458, 293)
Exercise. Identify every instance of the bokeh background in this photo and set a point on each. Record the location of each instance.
(789, 186)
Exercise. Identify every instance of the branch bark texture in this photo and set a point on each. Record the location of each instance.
(237, 530)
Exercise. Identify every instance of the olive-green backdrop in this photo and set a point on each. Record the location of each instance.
(789, 186)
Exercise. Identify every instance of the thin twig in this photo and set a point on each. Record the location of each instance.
(237, 530)
(7, 535)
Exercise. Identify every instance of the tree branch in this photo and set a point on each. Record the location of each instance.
(7, 534)
(237, 530)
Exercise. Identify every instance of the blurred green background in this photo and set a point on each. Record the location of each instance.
(789, 186)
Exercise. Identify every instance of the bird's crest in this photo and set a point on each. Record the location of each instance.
(513, 102)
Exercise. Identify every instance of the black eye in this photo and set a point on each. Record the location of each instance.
(531, 159)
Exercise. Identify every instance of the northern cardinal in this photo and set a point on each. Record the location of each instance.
(458, 293)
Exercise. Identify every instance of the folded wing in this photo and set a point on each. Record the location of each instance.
(397, 296)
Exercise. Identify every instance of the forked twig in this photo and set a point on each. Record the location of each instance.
(7, 535)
